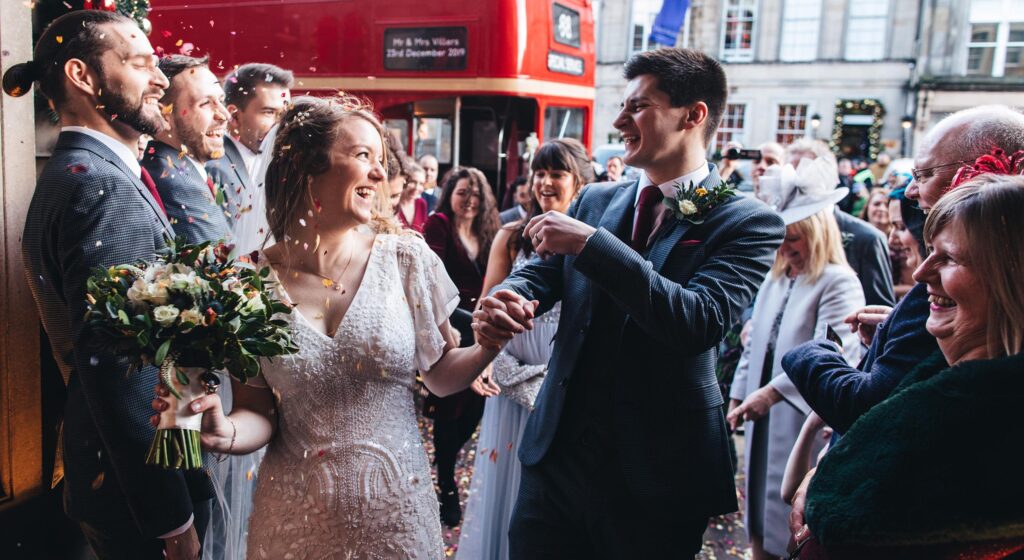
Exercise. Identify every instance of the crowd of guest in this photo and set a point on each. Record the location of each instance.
(878, 377)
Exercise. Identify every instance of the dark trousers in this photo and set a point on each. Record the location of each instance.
(575, 504)
(127, 544)
(450, 434)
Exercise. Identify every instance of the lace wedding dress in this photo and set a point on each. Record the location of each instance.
(496, 470)
(346, 475)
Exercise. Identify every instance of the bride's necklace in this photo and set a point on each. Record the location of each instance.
(335, 283)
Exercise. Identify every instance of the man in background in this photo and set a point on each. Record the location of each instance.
(431, 192)
(256, 96)
(196, 119)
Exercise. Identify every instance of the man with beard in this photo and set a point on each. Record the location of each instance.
(196, 120)
(256, 95)
(90, 209)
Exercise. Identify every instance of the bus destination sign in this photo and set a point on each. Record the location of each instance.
(425, 48)
(565, 64)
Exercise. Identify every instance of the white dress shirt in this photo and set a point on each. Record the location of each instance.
(668, 189)
(129, 157)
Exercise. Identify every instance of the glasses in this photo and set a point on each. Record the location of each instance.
(921, 175)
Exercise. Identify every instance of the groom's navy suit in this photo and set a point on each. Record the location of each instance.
(626, 453)
(89, 210)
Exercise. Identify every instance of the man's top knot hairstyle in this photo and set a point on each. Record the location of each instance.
(175, 64)
(75, 34)
(687, 76)
(240, 85)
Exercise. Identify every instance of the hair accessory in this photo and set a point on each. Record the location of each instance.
(996, 163)
(19, 78)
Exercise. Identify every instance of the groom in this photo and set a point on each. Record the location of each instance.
(626, 455)
(91, 209)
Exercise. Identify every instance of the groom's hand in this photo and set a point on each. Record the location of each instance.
(502, 316)
(554, 233)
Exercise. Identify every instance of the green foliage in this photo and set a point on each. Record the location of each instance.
(209, 311)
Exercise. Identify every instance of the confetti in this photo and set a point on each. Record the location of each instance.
(98, 481)
(60, 39)
(99, 243)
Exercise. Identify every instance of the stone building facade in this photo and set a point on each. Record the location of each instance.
(866, 75)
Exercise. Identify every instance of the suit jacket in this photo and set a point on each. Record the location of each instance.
(867, 251)
(678, 300)
(510, 215)
(89, 211)
(840, 393)
(231, 177)
(190, 205)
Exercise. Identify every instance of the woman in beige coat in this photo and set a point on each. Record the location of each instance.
(809, 289)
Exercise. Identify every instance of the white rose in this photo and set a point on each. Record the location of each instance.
(137, 292)
(231, 284)
(182, 281)
(192, 316)
(254, 304)
(687, 207)
(165, 315)
(156, 293)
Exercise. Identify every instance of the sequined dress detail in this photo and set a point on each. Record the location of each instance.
(346, 475)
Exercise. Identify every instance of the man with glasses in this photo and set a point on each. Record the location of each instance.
(958, 140)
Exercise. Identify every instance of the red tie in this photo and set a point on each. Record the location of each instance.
(151, 186)
(213, 190)
(650, 197)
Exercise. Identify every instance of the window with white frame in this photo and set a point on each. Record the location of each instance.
(791, 123)
(866, 30)
(996, 44)
(644, 13)
(801, 22)
(733, 125)
(738, 30)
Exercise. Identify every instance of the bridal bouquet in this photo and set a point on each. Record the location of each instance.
(190, 311)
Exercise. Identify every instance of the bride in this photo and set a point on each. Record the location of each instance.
(345, 474)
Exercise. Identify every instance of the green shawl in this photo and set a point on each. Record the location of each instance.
(937, 462)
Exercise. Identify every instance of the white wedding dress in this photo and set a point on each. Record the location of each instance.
(346, 475)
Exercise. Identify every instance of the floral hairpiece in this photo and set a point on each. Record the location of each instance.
(996, 163)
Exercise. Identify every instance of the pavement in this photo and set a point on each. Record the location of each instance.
(725, 539)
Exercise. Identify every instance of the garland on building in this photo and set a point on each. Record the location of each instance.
(871, 107)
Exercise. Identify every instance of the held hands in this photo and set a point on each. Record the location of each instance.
(554, 233)
(756, 405)
(500, 317)
(217, 431)
(865, 321)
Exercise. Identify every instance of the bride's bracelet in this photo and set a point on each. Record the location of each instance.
(234, 433)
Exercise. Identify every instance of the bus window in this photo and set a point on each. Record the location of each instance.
(563, 122)
(433, 137)
(399, 128)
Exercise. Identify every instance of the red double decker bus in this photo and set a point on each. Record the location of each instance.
(472, 83)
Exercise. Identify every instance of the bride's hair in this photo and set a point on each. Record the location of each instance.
(302, 150)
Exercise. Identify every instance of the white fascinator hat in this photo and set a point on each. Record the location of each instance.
(797, 194)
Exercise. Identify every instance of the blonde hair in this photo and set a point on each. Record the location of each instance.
(987, 211)
(825, 242)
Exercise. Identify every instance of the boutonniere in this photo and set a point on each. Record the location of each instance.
(693, 203)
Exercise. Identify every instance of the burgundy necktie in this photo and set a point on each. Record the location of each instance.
(650, 198)
(147, 180)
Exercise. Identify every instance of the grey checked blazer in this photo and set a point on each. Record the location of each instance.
(190, 205)
(90, 211)
(679, 299)
(231, 176)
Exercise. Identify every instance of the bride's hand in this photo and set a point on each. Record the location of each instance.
(218, 431)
